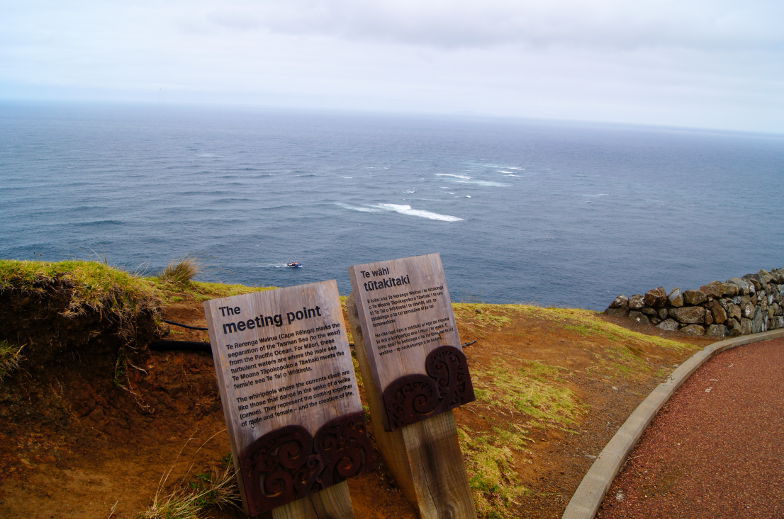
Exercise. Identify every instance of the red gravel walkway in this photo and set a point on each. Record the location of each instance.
(716, 449)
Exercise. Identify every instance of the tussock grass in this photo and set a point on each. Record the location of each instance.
(214, 489)
(10, 357)
(192, 495)
(180, 272)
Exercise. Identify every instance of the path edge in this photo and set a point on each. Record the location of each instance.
(590, 493)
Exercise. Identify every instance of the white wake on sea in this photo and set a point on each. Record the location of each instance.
(421, 213)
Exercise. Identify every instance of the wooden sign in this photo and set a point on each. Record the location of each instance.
(413, 347)
(289, 392)
(415, 372)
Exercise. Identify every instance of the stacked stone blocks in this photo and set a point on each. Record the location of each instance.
(738, 306)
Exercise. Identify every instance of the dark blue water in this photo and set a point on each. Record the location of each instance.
(550, 213)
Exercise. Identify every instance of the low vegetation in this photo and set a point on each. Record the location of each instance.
(520, 399)
(88, 286)
(73, 305)
(10, 357)
(180, 272)
(191, 499)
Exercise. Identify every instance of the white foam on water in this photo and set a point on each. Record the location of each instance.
(597, 195)
(485, 183)
(464, 177)
(359, 208)
(421, 213)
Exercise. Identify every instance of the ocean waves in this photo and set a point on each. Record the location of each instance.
(466, 179)
(403, 209)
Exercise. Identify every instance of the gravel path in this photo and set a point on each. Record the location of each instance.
(716, 449)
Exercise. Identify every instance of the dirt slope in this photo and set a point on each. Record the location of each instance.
(86, 436)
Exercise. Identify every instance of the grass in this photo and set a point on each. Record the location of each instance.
(536, 390)
(483, 315)
(190, 501)
(496, 485)
(588, 323)
(200, 290)
(180, 272)
(192, 495)
(10, 357)
(93, 285)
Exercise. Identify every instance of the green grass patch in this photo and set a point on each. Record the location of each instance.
(93, 285)
(483, 315)
(627, 360)
(589, 323)
(537, 390)
(201, 290)
(493, 478)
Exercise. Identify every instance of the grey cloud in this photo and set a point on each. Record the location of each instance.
(450, 25)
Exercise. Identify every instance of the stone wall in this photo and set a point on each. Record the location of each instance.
(738, 306)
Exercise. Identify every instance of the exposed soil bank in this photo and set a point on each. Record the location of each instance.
(553, 385)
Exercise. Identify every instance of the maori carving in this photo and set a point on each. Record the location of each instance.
(287, 464)
(412, 398)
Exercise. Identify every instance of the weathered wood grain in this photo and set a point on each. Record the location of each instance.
(389, 312)
(282, 359)
(424, 457)
(331, 503)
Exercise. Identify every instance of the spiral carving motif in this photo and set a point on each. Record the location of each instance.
(412, 398)
(287, 464)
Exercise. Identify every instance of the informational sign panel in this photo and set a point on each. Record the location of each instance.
(409, 329)
(289, 392)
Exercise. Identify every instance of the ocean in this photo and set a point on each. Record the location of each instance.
(550, 213)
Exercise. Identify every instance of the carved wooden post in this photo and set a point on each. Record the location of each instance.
(290, 400)
(414, 372)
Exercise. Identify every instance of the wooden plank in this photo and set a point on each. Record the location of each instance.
(400, 314)
(331, 503)
(289, 392)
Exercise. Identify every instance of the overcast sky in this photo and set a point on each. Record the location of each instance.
(709, 64)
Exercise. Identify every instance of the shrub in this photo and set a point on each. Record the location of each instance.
(180, 272)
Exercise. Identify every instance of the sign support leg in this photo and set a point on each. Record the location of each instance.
(333, 502)
(424, 457)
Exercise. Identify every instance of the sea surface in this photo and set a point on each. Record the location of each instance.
(552, 213)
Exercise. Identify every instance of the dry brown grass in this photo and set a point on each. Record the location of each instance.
(180, 272)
